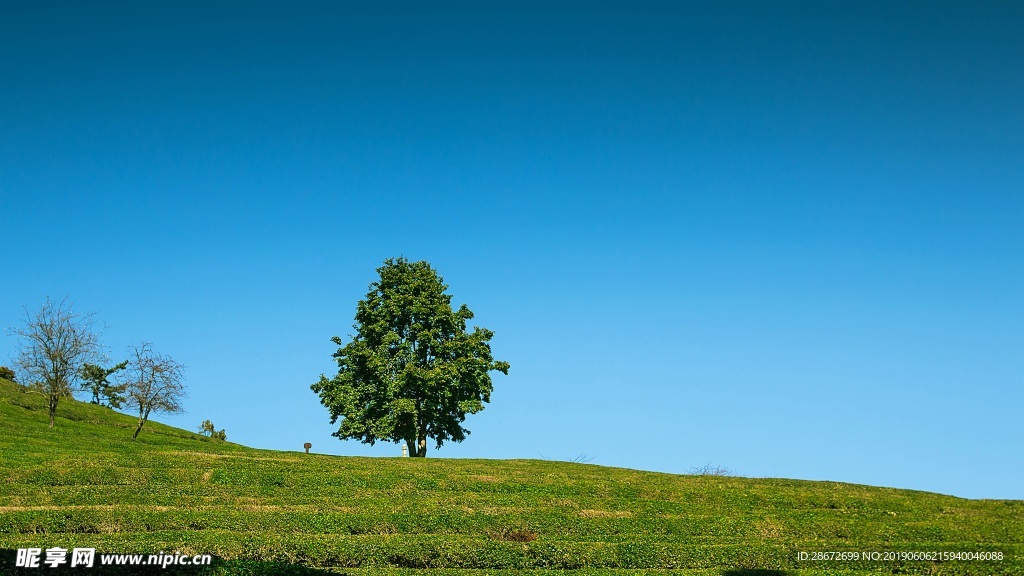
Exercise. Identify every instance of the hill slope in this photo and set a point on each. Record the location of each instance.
(87, 484)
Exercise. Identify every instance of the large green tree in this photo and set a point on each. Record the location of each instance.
(412, 371)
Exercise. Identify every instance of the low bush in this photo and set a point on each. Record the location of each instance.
(8, 374)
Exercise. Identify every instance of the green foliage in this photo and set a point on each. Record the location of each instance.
(211, 431)
(7, 374)
(95, 380)
(85, 484)
(412, 371)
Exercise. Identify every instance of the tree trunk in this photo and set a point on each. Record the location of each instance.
(143, 416)
(419, 448)
(53, 409)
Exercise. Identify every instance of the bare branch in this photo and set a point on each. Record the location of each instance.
(154, 383)
(53, 345)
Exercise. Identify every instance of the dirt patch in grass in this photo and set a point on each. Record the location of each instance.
(513, 535)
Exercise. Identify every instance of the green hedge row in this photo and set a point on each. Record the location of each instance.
(420, 551)
(564, 524)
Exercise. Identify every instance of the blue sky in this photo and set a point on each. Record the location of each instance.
(787, 240)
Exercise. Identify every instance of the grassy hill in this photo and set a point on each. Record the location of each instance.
(87, 484)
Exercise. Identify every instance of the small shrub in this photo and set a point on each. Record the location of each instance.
(210, 431)
(7, 374)
(710, 470)
(513, 535)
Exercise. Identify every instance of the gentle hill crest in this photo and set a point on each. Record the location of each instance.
(86, 483)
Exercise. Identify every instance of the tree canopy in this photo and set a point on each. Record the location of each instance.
(96, 380)
(412, 371)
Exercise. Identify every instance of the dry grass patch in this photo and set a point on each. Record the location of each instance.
(264, 508)
(499, 510)
(605, 514)
(769, 528)
(125, 507)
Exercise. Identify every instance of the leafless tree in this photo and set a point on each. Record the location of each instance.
(154, 383)
(710, 469)
(53, 344)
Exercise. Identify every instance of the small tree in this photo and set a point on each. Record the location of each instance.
(154, 384)
(53, 345)
(95, 380)
(8, 374)
(210, 430)
(412, 371)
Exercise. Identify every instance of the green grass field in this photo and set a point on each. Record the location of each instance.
(87, 484)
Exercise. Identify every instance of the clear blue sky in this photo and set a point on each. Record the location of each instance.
(787, 240)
